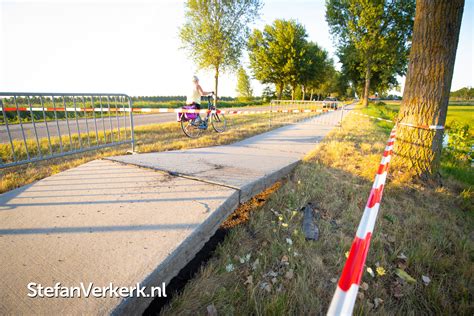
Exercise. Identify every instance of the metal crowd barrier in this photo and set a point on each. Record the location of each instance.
(287, 106)
(304, 104)
(41, 126)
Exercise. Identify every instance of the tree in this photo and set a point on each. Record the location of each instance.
(427, 86)
(314, 68)
(466, 93)
(277, 54)
(215, 31)
(376, 32)
(268, 94)
(382, 79)
(244, 88)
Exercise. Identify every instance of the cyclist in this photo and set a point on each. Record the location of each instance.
(194, 98)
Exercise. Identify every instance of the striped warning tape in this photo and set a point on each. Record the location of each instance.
(162, 110)
(427, 127)
(346, 292)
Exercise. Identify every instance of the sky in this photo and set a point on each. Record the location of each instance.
(133, 47)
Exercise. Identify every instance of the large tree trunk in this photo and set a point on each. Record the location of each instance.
(426, 94)
(216, 84)
(365, 100)
(280, 90)
(303, 89)
(311, 97)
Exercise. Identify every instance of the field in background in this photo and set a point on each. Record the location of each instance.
(177, 104)
(460, 111)
(12, 117)
(458, 154)
(266, 267)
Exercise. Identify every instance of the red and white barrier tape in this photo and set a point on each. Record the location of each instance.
(427, 127)
(164, 110)
(348, 285)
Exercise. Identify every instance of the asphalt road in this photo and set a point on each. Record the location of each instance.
(138, 120)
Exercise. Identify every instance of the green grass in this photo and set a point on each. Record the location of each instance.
(431, 226)
(452, 165)
(462, 113)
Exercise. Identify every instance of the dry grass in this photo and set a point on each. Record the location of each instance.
(276, 271)
(151, 138)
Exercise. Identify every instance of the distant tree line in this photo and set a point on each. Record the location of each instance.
(282, 57)
(216, 32)
(466, 93)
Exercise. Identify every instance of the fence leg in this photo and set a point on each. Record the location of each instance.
(130, 107)
(342, 115)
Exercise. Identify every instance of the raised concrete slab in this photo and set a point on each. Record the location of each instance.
(249, 165)
(102, 222)
(111, 221)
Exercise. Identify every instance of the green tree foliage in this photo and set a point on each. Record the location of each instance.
(466, 93)
(215, 31)
(373, 39)
(315, 67)
(244, 88)
(281, 55)
(276, 53)
(268, 94)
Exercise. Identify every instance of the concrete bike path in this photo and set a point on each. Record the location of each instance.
(133, 219)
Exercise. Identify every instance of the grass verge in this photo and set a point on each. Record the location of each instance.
(265, 266)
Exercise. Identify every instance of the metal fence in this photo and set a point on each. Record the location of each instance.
(280, 107)
(40, 126)
(304, 104)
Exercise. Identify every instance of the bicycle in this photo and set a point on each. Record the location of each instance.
(193, 127)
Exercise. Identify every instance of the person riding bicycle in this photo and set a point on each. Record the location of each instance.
(194, 97)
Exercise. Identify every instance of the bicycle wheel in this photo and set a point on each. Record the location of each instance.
(218, 122)
(190, 129)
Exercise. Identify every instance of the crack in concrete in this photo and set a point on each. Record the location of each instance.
(176, 174)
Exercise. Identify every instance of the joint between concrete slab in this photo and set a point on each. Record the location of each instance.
(282, 151)
(176, 174)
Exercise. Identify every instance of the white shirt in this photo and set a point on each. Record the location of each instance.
(194, 96)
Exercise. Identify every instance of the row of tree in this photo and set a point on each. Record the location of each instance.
(281, 55)
(373, 40)
(466, 93)
(216, 32)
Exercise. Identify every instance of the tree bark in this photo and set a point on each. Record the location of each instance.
(303, 89)
(311, 97)
(365, 100)
(216, 84)
(279, 90)
(428, 83)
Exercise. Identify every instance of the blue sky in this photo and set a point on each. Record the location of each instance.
(133, 46)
